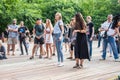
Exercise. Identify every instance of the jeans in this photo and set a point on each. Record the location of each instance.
(22, 40)
(118, 46)
(110, 49)
(112, 43)
(2, 56)
(90, 46)
(59, 47)
(99, 40)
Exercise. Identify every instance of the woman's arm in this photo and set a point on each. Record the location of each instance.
(116, 32)
(62, 29)
(51, 29)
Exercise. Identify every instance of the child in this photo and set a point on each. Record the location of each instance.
(27, 42)
(2, 51)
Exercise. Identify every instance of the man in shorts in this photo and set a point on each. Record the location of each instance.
(38, 31)
(12, 37)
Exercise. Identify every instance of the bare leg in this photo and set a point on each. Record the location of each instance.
(54, 48)
(77, 63)
(8, 49)
(41, 50)
(50, 50)
(33, 50)
(47, 50)
(66, 47)
(71, 54)
(81, 62)
(13, 48)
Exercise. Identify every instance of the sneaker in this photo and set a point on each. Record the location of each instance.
(27, 53)
(58, 63)
(40, 57)
(53, 54)
(31, 57)
(102, 59)
(117, 60)
(61, 65)
(119, 55)
(76, 66)
(46, 57)
(13, 54)
(81, 65)
(5, 58)
(21, 54)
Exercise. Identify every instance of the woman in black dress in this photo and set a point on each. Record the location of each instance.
(81, 47)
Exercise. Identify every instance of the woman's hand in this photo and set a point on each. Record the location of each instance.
(60, 38)
(49, 38)
(38, 37)
(75, 31)
(91, 39)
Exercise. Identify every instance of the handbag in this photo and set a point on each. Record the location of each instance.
(105, 36)
(23, 35)
(73, 39)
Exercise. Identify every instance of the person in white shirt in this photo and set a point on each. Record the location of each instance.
(111, 32)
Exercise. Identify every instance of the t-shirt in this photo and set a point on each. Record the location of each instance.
(107, 25)
(57, 27)
(22, 30)
(90, 29)
(39, 29)
(11, 33)
(70, 33)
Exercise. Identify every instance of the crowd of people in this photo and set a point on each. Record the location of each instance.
(77, 37)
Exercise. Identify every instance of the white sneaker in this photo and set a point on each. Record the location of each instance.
(58, 63)
(117, 60)
(119, 55)
(61, 65)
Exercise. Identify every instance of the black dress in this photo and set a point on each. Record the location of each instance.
(81, 47)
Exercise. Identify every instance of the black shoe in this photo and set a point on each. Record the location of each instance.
(53, 54)
(31, 57)
(81, 65)
(40, 57)
(5, 58)
(11, 49)
(69, 58)
(76, 66)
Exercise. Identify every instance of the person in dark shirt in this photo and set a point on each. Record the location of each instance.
(2, 52)
(90, 33)
(22, 35)
(38, 31)
(70, 35)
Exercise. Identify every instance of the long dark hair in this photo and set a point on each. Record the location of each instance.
(116, 19)
(80, 22)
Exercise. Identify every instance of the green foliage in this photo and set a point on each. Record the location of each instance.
(29, 10)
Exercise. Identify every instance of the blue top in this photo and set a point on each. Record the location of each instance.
(57, 27)
(13, 34)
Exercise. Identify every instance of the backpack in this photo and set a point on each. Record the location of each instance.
(66, 29)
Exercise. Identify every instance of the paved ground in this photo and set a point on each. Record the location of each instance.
(21, 68)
